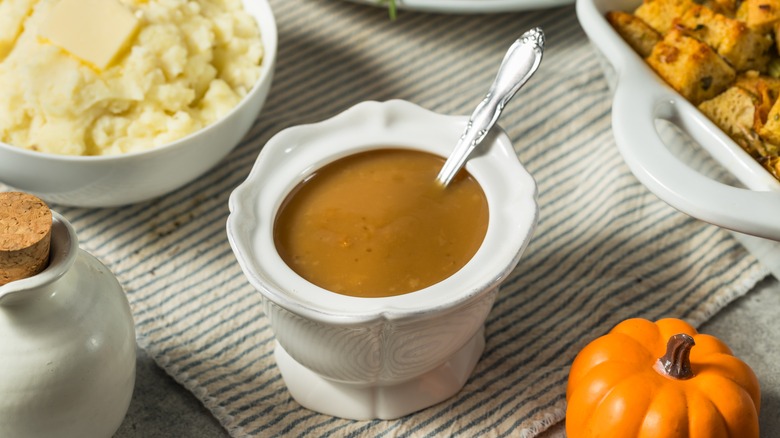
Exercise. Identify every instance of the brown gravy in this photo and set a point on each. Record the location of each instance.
(376, 224)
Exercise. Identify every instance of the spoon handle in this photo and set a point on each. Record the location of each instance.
(519, 64)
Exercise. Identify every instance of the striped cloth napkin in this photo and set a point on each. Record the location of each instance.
(605, 248)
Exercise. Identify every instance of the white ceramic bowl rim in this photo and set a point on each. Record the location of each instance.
(471, 6)
(261, 11)
(295, 153)
(641, 98)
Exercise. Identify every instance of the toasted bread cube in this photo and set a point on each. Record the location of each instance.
(747, 112)
(638, 34)
(770, 131)
(691, 67)
(733, 111)
(750, 81)
(660, 14)
(765, 113)
(761, 15)
(744, 48)
(728, 8)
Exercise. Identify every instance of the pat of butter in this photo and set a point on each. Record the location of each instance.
(94, 31)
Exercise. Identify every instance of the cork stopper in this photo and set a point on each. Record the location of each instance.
(25, 236)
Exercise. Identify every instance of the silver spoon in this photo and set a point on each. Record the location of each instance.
(519, 64)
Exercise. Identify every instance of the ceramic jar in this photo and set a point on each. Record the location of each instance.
(67, 344)
(365, 358)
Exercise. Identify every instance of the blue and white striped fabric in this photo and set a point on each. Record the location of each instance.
(605, 248)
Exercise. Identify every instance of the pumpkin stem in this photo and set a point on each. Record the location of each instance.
(676, 363)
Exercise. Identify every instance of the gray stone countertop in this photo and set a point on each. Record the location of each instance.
(161, 408)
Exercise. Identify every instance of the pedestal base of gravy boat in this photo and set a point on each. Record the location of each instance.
(355, 402)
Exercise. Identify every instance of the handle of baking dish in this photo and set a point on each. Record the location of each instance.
(640, 100)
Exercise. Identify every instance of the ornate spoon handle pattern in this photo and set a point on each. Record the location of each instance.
(519, 64)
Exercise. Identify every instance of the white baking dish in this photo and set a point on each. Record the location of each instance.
(641, 99)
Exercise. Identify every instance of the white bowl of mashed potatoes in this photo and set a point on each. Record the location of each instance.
(176, 100)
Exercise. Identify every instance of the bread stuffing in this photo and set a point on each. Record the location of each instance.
(721, 55)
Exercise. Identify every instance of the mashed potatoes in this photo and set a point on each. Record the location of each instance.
(190, 64)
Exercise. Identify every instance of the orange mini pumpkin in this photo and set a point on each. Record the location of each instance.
(646, 379)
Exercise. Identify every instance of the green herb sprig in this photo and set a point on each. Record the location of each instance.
(391, 8)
